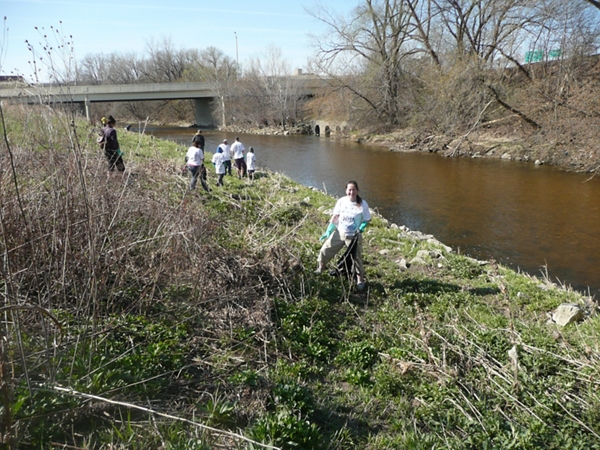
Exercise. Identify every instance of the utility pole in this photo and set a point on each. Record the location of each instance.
(237, 59)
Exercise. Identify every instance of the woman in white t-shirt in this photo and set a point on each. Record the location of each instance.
(350, 217)
(195, 164)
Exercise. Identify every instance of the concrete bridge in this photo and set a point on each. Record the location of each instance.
(201, 93)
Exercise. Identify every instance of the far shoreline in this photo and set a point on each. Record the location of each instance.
(479, 145)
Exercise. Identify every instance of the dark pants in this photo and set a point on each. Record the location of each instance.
(227, 166)
(198, 172)
(220, 181)
(240, 166)
(114, 160)
(346, 265)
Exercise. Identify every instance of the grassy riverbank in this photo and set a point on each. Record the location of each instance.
(141, 315)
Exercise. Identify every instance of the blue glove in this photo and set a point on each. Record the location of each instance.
(328, 232)
(362, 226)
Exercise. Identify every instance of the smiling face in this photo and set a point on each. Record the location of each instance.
(351, 191)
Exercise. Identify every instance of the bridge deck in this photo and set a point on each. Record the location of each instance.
(131, 92)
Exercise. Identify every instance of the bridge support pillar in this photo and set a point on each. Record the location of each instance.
(87, 106)
(204, 117)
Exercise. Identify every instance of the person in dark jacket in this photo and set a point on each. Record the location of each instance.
(199, 138)
(110, 143)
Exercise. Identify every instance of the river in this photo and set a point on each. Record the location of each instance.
(528, 217)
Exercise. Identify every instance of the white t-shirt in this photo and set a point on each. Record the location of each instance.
(237, 148)
(195, 156)
(251, 161)
(218, 159)
(350, 215)
(226, 152)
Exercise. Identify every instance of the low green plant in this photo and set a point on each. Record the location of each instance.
(219, 412)
(460, 266)
(286, 430)
(246, 377)
(289, 216)
(359, 354)
(307, 327)
(294, 397)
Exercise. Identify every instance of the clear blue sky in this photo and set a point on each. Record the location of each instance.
(99, 27)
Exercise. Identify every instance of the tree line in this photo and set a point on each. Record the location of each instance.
(442, 65)
(446, 64)
(265, 95)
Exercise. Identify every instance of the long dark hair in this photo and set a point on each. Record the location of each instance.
(358, 199)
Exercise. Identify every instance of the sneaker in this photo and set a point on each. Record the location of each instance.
(318, 271)
(360, 287)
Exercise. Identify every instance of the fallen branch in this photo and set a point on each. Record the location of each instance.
(513, 110)
(75, 393)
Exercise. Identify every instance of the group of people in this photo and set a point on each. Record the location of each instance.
(245, 163)
(350, 216)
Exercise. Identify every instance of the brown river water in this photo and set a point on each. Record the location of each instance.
(532, 218)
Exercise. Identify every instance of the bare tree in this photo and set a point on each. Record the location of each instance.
(423, 20)
(221, 72)
(485, 28)
(374, 40)
(127, 69)
(93, 69)
(165, 64)
(114, 68)
(270, 78)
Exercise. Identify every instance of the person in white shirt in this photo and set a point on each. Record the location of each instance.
(251, 163)
(195, 164)
(218, 160)
(237, 150)
(350, 217)
(226, 156)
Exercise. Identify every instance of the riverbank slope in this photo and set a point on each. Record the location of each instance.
(151, 314)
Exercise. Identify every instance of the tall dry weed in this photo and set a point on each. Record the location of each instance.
(81, 246)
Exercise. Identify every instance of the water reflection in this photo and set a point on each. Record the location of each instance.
(523, 215)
